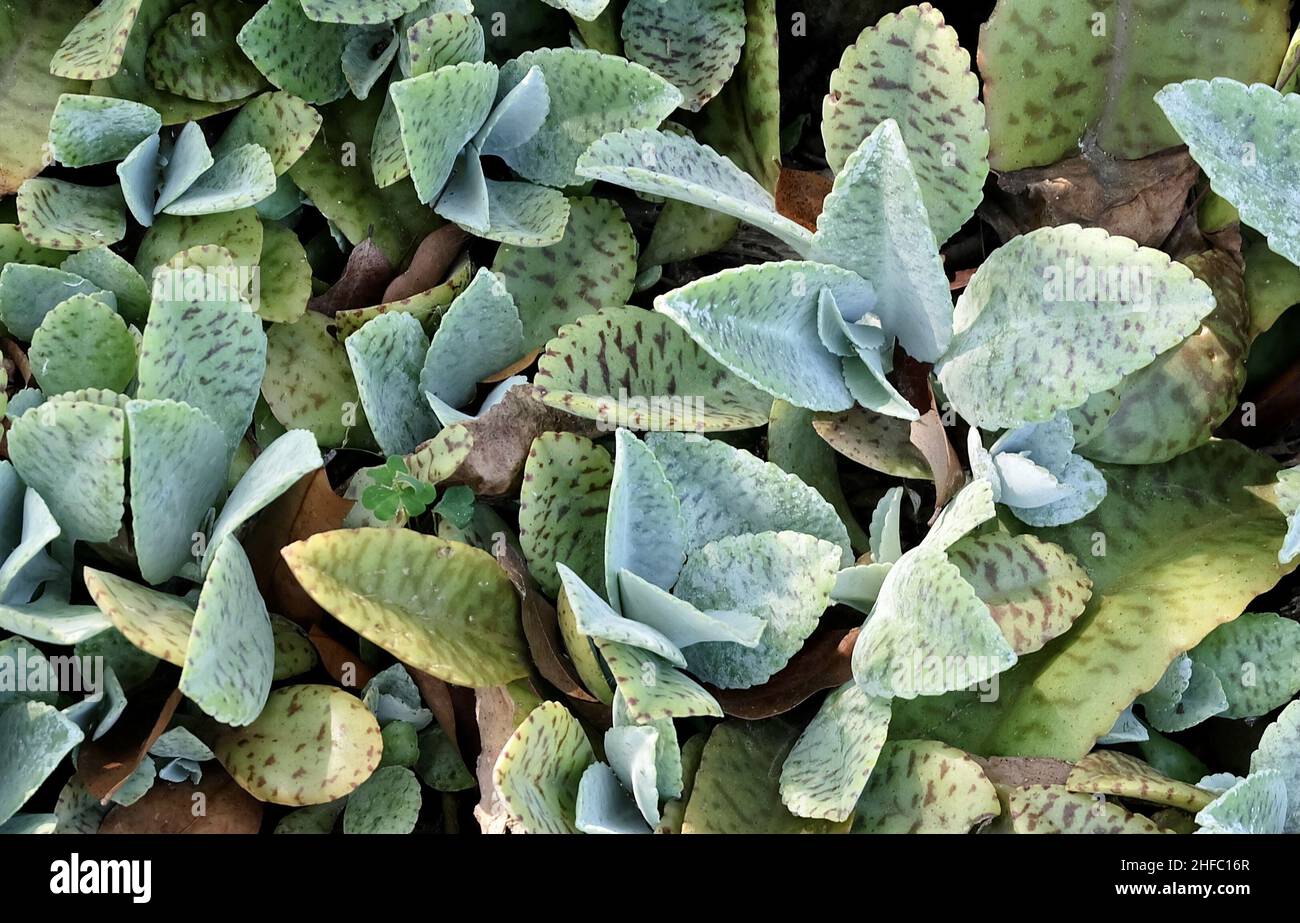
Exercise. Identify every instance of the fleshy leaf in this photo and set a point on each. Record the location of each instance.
(874, 222)
(86, 130)
(554, 285)
(1055, 809)
(309, 383)
(695, 46)
(138, 174)
(386, 355)
(562, 506)
(922, 786)
(652, 688)
(446, 37)
(82, 343)
(760, 322)
(680, 622)
(597, 620)
(642, 502)
(1256, 657)
(591, 94)
(1185, 696)
(1058, 314)
(1108, 772)
(603, 806)
(673, 165)
(324, 741)
(93, 49)
(204, 64)
(156, 623)
(1257, 804)
(834, 757)
(539, 769)
(64, 216)
(1277, 749)
(239, 233)
(111, 273)
(281, 123)
(34, 739)
(243, 177)
(284, 276)
(29, 292)
(294, 53)
(441, 607)
(783, 578)
(479, 336)
(357, 12)
(386, 803)
(631, 753)
(231, 654)
(910, 68)
(179, 462)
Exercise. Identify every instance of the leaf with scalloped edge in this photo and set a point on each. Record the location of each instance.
(641, 502)
(87, 130)
(1059, 314)
(1152, 599)
(1256, 804)
(562, 507)
(695, 46)
(278, 468)
(556, 285)
(447, 36)
(1279, 749)
(386, 355)
(82, 343)
(178, 469)
(29, 35)
(309, 384)
(667, 164)
(928, 632)
(874, 222)
(294, 53)
(652, 688)
(591, 95)
(595, 619)
(71, 453)
(29, 292)
(834, 757)
(284, 276)
(1187, 694)
(231, 653)
(325, 744)
(209, 352)
(538, 771)
(112, 273)
(283, 124)
(205, 65)
(156, 623)
(725, 491)
(1256, 657)
(910, 67)
(93, 49)
(784, 578)
(1034, 590)
(64, 216)
(760, 322)
(243, 177)
(386, 803)
(737, 784)
(357, 12)
(652, 376)
(1054, 83)
(1055, 809)
(34, 739)
(439, 113)
(239, 233)
(923, 786)
(441, 607)
(480, 335)
(1109, 772)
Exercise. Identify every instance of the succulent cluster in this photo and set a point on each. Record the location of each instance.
(906, 465)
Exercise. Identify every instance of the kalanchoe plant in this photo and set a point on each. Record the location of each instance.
(804, 453)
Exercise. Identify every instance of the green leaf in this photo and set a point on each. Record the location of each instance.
(111, 273)
(1151, 600)
(386, 355)
(652, 688)
(231, 654)
(439, 113)
(1257, 804)
(179, 462)
(294, 53)
(388, 802)
(1185, 696)
(555, 285)
(642, 502)
(1059, 314)
(631, 753)
(357, 12)
(603, 806)
(28, 293)
(1054, 809)
(29, 35)
(284, 276)
(725, 492)
(441, 607)
(34, 739)
(86, 130)
(783, 578)
(760, 322)
(1278, 749)
(922, 786)
(282, 123)
(446, 37)
(1256, 657)
(478, 336)
(93, 49)
(204, 349)
(680, 622)
(239, 233)
(82, 343)
(737, 785)
(1109, 772)
(71, 453)
(1034, 590)
(324, 741)
(205, 65)
(243, 177)
(591, 94)
(64, 216)
(666, 164)
(156, 623)
(539, 769)
(874, 222)
(911, 68)
(695, 46)
(835, 755)
(562, 507)
(1054, 84)
(309, 383)
(595, 619)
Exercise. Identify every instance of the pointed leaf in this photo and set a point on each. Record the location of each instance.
(652, 688)
(386, 355)
(835, 755)
(641, 502)
(479, 335)
(562, 506)
(94, 47)
(540, 768)
(294, 53)
(1257, 660)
